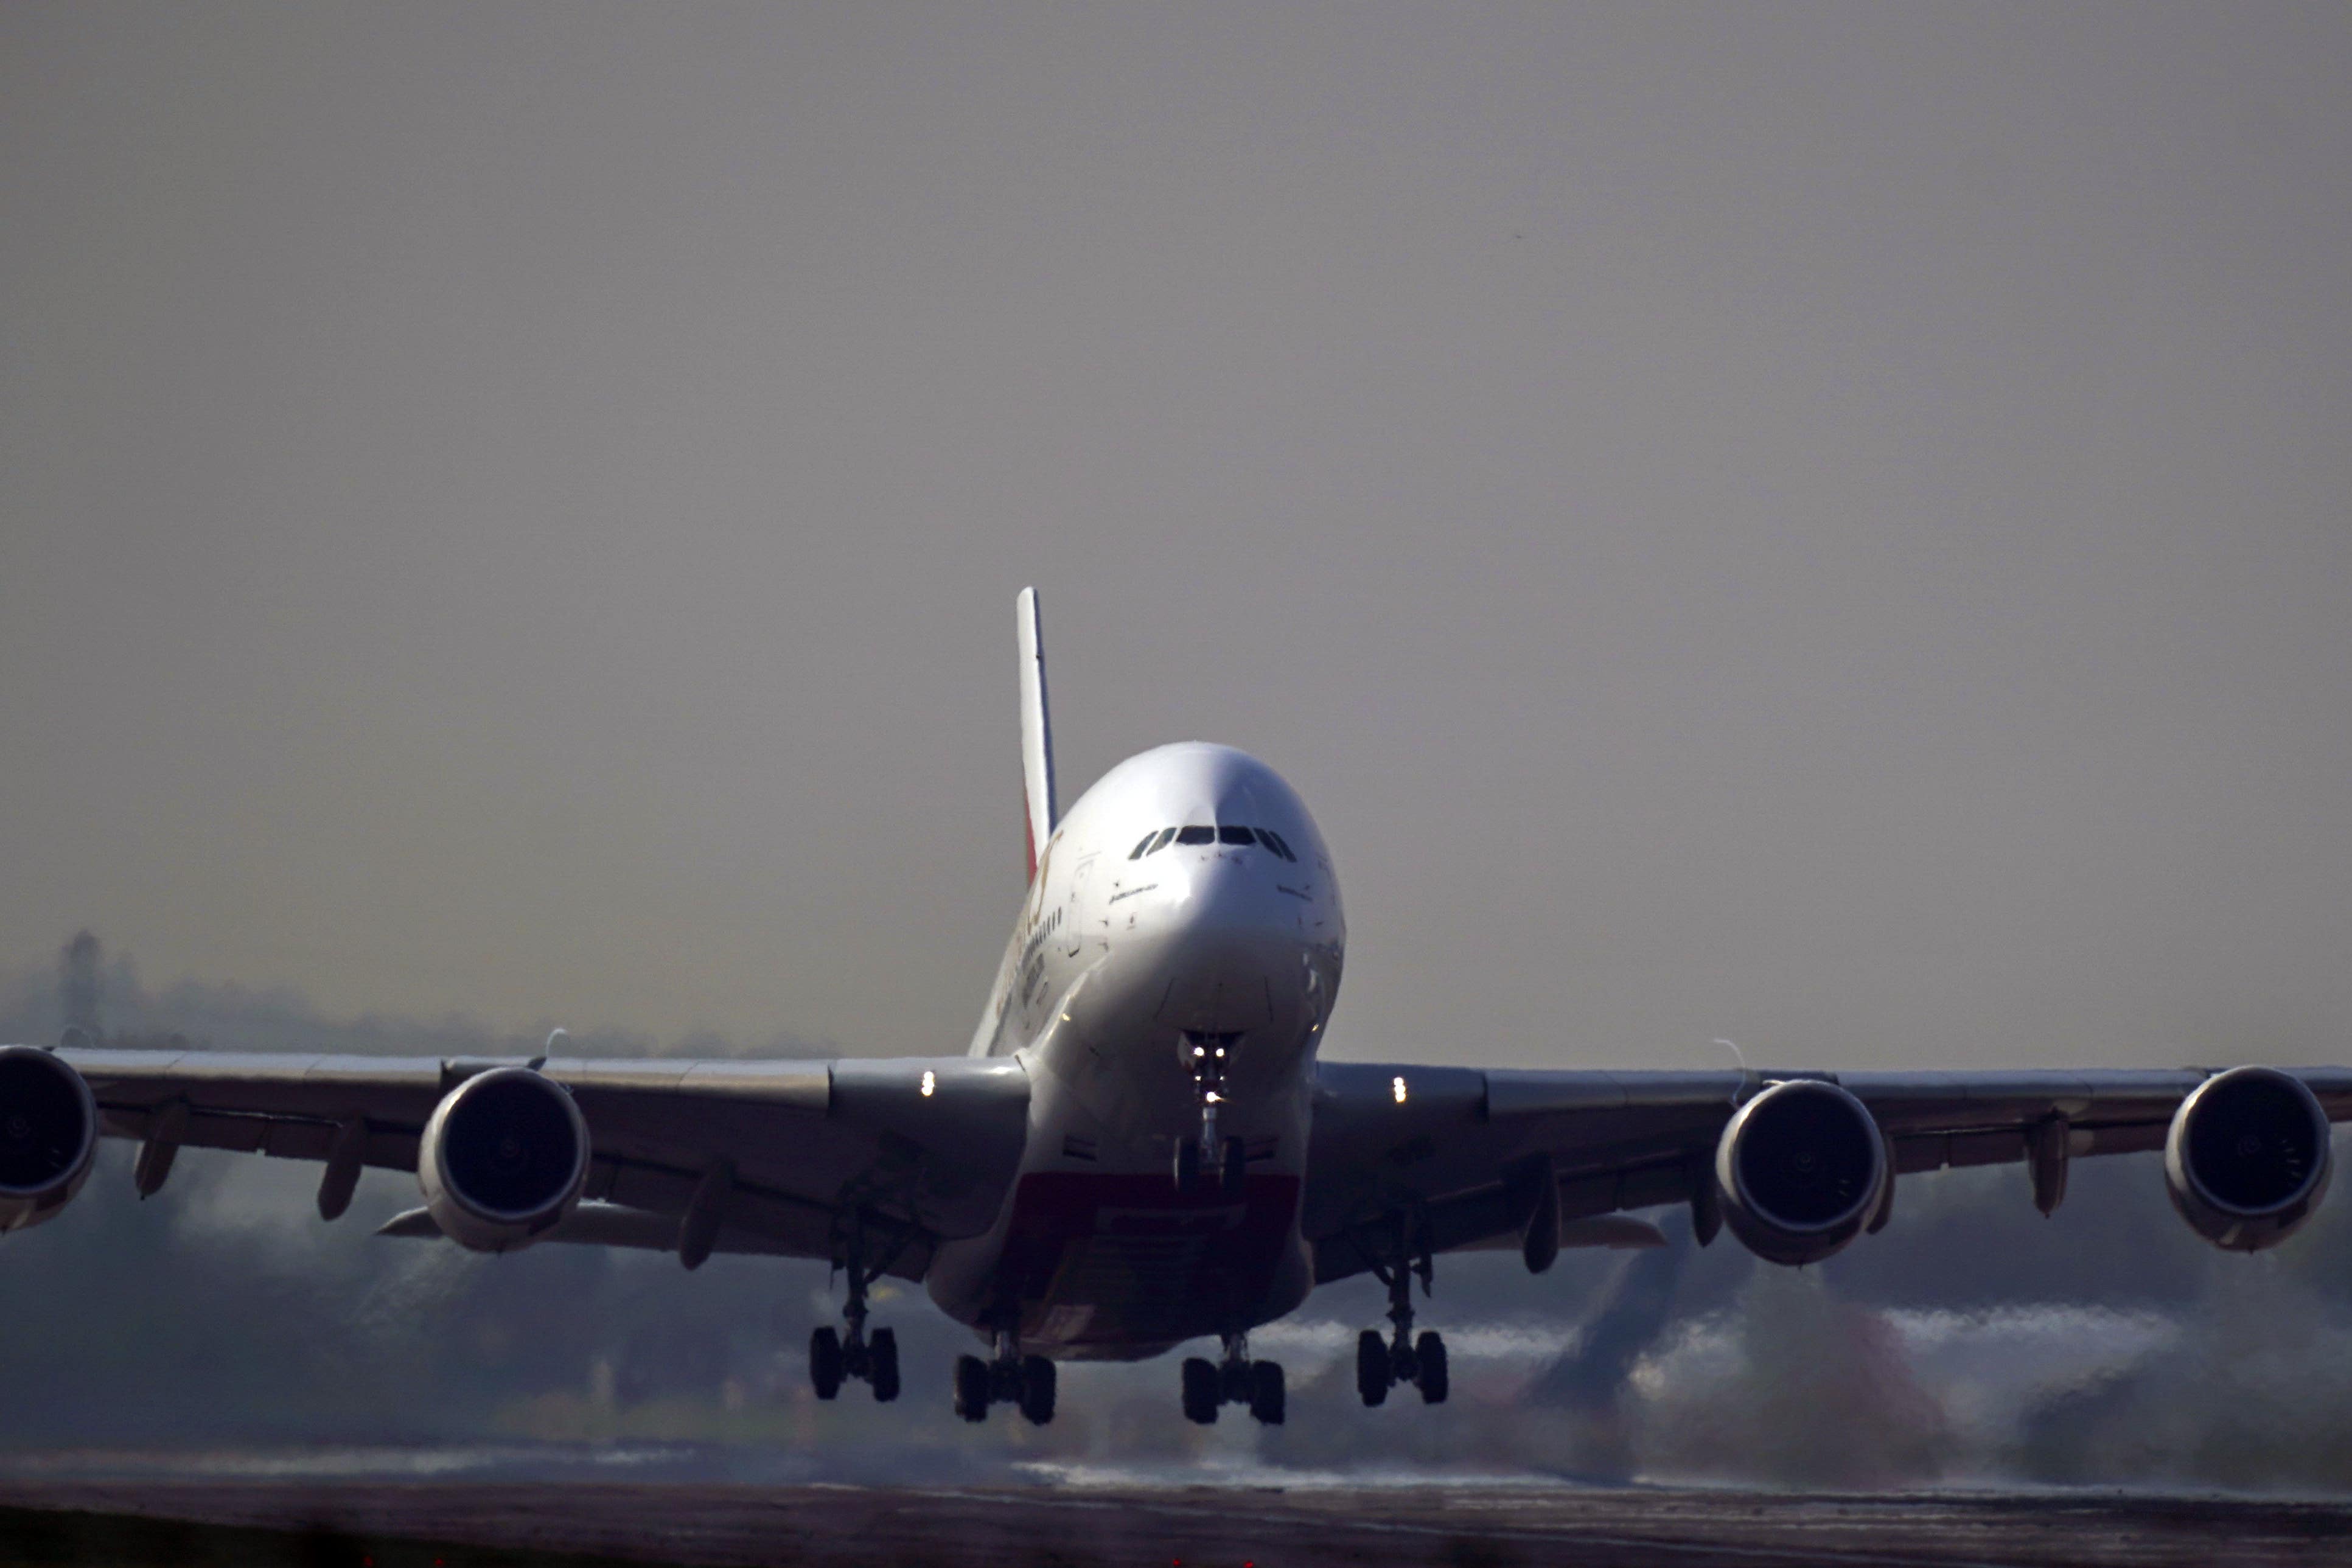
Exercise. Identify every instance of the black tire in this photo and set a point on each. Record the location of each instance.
(824, 1363)
(882, 1370)
(1188, 1164)
(1266, 1400)
(971, 1389)
(1232, 1174)
(1037, 1380)
(1371, 1367)
(1203, 1389)
(1430, 1355)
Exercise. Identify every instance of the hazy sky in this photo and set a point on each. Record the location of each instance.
(1824, 525)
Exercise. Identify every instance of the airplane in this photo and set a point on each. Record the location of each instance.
(1142, 1146)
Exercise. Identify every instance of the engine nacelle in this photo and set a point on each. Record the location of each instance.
(2246, 1160)
(502, 1159)
(1800, 1171)
(48, 1131)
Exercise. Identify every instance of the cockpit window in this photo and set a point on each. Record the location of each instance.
(1233, 833)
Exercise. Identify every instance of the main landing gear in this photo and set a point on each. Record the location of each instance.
(1224, 1161)
(1236, 1380)
(1007, 1378)
(870, 1359)
(1381, 1366)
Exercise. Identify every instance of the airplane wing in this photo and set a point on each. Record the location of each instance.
(771, 1157)
(1421, 1160)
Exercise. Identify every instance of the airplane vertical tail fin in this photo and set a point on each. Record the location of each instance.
(1036, 732)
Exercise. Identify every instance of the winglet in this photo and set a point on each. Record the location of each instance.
(1036, 732)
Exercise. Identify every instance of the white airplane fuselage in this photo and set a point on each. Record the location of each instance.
(1122, 966)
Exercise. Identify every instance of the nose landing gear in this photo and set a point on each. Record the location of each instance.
(1234, 1380)
(1208, 1056)
(836, 1356)
(1230, 1172)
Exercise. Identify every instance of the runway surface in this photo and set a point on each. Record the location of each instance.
(1269, 1527)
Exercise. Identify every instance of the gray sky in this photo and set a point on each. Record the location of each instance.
(1823, 524)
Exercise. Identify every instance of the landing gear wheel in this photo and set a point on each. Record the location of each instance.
(1232, 1174)
(1203, 1391)
(825, 1367)
(971, 1389)
(1188, 1164)
(837, 1356)
(1037, 1389)
(1429, 1357)
(1265, 1395)
(1372, 1367)
(882, 1366)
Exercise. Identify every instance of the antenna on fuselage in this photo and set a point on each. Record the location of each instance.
(1037, 808)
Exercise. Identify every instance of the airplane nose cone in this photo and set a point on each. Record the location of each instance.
(1230, 942)
(1228, 896)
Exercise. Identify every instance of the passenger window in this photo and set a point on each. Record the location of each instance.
(1274, 841)
(1142, 844)
(1196, 835)
(1167, 836)
(1229, 834)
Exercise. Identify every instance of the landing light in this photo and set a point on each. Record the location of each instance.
(1398, 1084)
(931, 1082)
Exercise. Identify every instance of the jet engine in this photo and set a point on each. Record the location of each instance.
(503, 1159)
(2247, 1159)
(1800, 1170)
(49, 1131)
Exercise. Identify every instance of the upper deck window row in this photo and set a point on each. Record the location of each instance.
(1200, 833)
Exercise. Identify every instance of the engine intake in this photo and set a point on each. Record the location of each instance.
(48, 1131)
(503, 1159)
(2247, 1159)
(1799, 1169)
